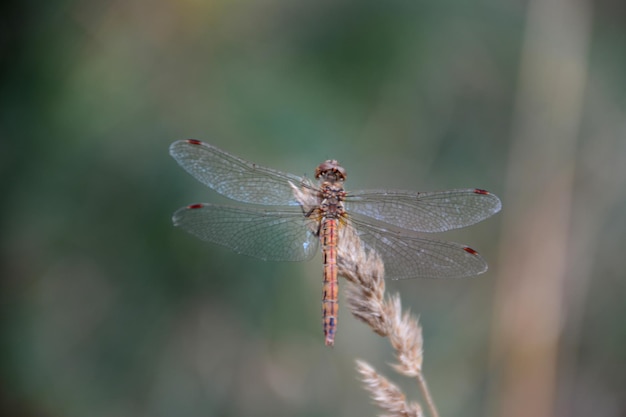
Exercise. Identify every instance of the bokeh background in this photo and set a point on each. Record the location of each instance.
(108, 310)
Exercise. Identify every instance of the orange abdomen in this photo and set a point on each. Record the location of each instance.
(330, 305)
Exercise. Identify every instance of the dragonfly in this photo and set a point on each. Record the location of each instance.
(274, 224)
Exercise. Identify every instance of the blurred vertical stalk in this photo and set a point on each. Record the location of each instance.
(529, 302)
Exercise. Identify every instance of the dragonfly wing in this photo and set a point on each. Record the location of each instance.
(234, 177)
(407, 255)
(278, 235)
(425, 212)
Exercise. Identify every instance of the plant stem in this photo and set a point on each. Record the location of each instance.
(421, 381)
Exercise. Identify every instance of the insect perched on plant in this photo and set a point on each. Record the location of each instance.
(387, 221)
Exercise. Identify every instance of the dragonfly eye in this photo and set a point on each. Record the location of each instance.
(330, 170)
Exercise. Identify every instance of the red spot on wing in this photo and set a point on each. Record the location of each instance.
(195, 206)
(470, 250)
(194, 142)
(479, 191)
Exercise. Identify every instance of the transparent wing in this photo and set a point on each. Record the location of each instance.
(424, 212)
(234, 177)
(407, 255)
(278, 235)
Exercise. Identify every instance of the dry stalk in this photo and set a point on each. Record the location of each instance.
(366, 298)
(385, 394)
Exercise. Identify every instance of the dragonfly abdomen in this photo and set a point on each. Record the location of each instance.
(330, 304)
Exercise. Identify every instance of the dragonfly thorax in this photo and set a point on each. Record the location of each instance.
(332, 195)
(330, 171)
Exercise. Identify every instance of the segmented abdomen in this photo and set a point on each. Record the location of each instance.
(330, 305)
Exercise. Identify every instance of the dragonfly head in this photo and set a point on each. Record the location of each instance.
(330, 171)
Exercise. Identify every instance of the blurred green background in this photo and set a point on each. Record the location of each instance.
(108, 310)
